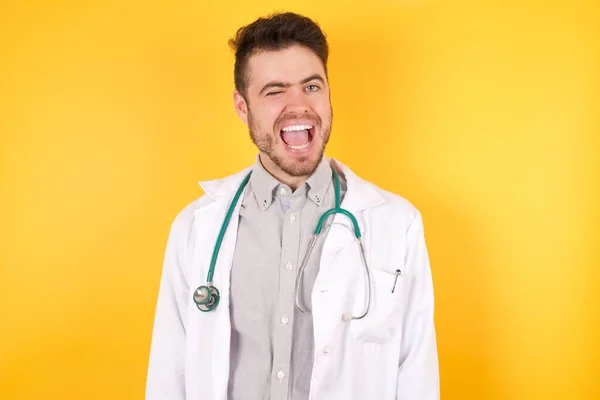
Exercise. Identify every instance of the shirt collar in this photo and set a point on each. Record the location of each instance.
(263, 184)
(319, 181)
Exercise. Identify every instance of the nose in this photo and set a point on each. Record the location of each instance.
(297, 101)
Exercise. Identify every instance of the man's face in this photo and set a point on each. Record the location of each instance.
(287, 109)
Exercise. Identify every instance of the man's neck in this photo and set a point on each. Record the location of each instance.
(294, 182)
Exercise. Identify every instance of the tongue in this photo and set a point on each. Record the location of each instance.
(295, 138)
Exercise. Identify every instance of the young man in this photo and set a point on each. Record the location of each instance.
(274, 314)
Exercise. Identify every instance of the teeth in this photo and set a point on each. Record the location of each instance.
(299, 147)
(291, 128)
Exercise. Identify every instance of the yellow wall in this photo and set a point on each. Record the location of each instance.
(486, 115)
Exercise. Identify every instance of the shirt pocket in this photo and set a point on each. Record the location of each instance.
(383, 321)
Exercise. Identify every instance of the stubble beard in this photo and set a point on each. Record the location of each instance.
(266, 144)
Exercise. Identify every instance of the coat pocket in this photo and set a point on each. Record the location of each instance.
(383, 321)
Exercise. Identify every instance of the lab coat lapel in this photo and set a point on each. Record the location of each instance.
(360, 195)
(211, 330)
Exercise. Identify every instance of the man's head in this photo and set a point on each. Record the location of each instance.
(282, 92)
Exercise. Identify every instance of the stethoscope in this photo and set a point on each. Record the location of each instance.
(207, 296)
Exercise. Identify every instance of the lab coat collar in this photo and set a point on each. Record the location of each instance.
(360, 194)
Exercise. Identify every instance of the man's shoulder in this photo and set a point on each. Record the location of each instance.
(212, 189)
(184, 217)
(396, 203)
(389, 200)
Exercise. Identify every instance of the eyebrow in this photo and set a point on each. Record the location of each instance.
(280, 84)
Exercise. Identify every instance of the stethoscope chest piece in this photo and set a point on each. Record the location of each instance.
(206, 298)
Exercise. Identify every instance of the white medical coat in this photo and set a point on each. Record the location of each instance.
(391, 354)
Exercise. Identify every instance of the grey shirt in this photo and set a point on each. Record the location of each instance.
(271, 339)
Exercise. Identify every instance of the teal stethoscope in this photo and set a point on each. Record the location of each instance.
(207, 296)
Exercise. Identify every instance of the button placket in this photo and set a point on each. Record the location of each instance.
(283, 329)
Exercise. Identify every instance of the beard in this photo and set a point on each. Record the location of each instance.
(266, 142)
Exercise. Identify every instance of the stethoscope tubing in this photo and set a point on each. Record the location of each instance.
(207, 296)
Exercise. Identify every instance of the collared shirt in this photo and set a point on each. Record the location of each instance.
(271, 339)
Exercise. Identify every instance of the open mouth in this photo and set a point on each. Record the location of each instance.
(297, 137)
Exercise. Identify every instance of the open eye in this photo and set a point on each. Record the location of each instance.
(312, 88)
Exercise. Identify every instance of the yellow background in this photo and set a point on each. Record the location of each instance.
(486, 115)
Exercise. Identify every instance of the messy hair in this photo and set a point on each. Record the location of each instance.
(275, 32)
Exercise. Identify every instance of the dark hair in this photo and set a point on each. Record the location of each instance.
(275, 32)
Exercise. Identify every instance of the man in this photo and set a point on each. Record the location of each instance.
(268, 322)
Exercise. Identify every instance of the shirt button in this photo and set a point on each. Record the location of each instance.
(283, 191)
(280, 375)
(288, 266)
(285, 320)
(292, 217)
(327, 350)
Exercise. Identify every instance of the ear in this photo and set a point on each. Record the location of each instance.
(241, 107)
